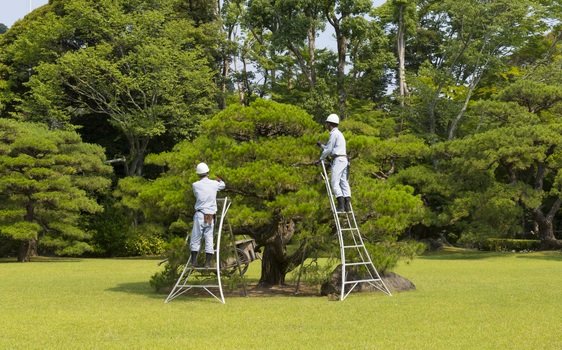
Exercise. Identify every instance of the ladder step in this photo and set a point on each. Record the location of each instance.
(349, 229)
(198, 286)
(357, 263)
(354, 246)
(365, 280)
(202, 268)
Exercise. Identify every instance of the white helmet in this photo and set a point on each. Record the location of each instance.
(333, 118)
(201, 169)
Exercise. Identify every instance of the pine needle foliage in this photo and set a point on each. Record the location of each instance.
(47, 182)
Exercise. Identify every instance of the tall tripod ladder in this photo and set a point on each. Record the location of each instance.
(183, 284)
(353, 253)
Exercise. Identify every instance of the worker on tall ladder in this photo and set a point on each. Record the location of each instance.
(336, 150)
(205, 191)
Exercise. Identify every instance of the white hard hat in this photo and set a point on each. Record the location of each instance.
(333, 118)
(202, 168)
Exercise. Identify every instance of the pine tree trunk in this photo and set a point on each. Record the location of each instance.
(275, 262)
(27, 249)
(546, 226)
(273, 267)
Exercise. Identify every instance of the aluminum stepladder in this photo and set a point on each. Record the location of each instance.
(351, 241)
(183, 285)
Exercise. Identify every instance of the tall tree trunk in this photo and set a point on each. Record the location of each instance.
(226, 62)
(137, 152)
(401, 51)
(246, 83)
(311, 56)
(478, 73)
(239, 87)
(302, 63)
(437, 92)
(341, 41)
(460, 115)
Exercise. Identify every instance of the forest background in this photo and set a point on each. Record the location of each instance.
(451, 111)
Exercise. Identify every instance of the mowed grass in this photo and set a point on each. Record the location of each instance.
(464, 300)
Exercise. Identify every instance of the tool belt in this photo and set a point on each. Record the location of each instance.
(208, 218)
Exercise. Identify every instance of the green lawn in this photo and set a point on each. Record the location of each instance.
(463, 300)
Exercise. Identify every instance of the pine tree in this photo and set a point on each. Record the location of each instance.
(47, 182)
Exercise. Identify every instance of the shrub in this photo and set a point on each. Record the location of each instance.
(146, 239)
(509, 244)
(385, 255)
(176, 255)
(111, 229)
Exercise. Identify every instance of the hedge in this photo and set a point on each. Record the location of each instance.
(509, 244)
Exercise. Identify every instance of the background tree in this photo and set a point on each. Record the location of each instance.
(464, 41)
(47, 183)
(517, 168)
(502, 180)
(281, 39)
(148, 75)
(148, 78)
(338, 14)
(369, 60)
(403, 16)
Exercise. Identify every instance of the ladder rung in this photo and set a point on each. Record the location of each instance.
(353, 246)
(366, 280)
(198, 285)
(349, 229)
(358, 263)
(202, 268)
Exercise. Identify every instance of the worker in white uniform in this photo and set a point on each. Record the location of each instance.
(336, 150)
(205, 191)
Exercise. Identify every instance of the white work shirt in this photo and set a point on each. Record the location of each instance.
(205, 191)
(335, 145)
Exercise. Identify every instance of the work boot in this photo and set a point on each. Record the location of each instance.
(340, 206)
(347, 202)
(193, 258)
(208, 259)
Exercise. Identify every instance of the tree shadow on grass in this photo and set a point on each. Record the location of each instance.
(139, 288)
(468, 254)
(461, 254)
(39, 259)
(144, 288)
(550, 255)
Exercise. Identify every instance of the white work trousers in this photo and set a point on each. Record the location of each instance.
(340, 185)
(200, 229)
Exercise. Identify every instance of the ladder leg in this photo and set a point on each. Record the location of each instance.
(349, 237)
(182, 284)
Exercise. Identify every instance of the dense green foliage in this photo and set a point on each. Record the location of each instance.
(143, 72)
(266, 154)
(47, 182)
(451, 110)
